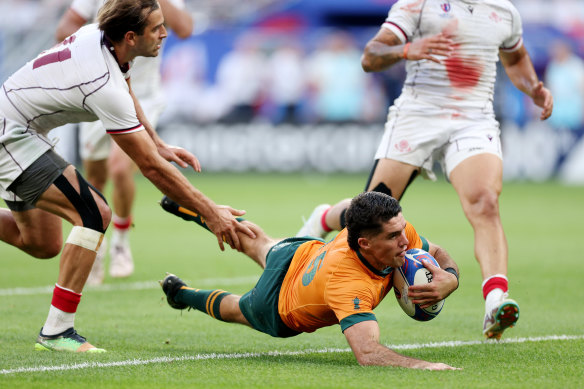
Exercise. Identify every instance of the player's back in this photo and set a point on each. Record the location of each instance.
(60, 84)
(319, 288)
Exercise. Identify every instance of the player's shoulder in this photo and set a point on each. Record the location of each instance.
(506, 5)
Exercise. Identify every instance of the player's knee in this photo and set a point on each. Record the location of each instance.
(85, 237)
(47, 250)
(484, 203)
(121, 168)
(92, 208)
(105, 213)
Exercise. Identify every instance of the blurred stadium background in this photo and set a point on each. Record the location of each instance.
(262, 84)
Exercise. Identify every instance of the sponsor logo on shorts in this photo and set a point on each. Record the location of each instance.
(403, 146)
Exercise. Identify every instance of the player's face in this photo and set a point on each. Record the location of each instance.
(388, 248)
(148, 44)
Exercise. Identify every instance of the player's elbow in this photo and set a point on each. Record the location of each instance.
(366, 359)
(366, 63)
(183, 28)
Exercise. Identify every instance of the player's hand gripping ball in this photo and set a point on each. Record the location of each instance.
(413, 272)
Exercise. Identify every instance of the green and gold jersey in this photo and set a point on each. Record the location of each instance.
(329, 283)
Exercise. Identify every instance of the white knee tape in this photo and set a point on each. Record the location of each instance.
(85, 237)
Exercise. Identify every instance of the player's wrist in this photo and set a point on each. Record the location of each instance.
(406, 50)
(453, 271)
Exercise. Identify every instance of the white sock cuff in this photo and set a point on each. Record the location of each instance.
(494, 276)
(68, 290)
(85, 237)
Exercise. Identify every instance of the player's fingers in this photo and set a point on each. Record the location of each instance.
(246, 230)
(237, 212)
(234, 241)
(429, 265)
(220, 241)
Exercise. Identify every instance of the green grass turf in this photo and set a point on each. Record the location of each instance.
(543, 223)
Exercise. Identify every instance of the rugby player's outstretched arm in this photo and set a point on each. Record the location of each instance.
(363, 338)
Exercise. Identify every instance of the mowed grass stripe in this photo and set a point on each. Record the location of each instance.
(141, 285)
(200, 357)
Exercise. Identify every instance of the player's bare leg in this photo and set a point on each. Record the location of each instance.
(34, 231)
(96, 173)
(122, 170)
(478, 181)
(389, 176)
(76, 260)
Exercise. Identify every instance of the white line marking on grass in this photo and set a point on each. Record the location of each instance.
(201, 357)
(141, 285)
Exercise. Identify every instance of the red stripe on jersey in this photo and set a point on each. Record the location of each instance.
(124, 130)
(514, 47)
(58, 56)
(399, 28)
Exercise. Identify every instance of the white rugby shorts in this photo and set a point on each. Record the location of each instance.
(95, 143)
(420, 134)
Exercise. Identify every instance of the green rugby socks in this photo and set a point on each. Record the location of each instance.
(207, 301)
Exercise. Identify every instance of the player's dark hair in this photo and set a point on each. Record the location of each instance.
(117, 17)
(367, 214)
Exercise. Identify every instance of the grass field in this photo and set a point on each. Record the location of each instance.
(152, 346)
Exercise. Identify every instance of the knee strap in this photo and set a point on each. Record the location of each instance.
(83, 201)
(85, 237)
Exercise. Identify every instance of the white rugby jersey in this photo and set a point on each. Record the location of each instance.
(146, 81)
(76, 80)
(479, 28)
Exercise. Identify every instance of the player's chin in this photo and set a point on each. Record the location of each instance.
(400, 259)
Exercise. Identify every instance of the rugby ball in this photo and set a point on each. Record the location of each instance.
(413, 272)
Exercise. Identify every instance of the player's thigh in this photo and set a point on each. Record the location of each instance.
(96, 172)
(478, 176)
(39, 228)
(395, 175)
(256, 248)
(89, 210)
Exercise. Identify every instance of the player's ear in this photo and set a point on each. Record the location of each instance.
(130, 38)
(363, 243)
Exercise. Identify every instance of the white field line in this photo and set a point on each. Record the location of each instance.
(200, 357)
(142, 285)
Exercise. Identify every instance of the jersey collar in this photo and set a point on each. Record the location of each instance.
(110, 46)
(382, 273)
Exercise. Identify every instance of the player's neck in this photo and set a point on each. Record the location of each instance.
(120, 51)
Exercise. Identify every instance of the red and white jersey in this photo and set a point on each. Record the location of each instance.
(146, 81)
(466, 79)
(76, 80)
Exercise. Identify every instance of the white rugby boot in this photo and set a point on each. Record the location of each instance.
(501, 317)
(121, 261)
(313, 226)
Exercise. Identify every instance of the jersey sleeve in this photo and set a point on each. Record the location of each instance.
(115, 109)
(416, 241)
(515, 39)
(350, 299)
(87, 9)
(402, 19)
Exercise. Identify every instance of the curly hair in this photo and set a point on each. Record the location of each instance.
(367, 214)
(117, 17)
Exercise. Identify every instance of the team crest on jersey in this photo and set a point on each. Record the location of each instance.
(445, 7)
(356, 302)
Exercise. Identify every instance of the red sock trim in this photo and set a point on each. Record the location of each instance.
(122, 223)
(495, 283)
(323, 221)
(65, 300)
